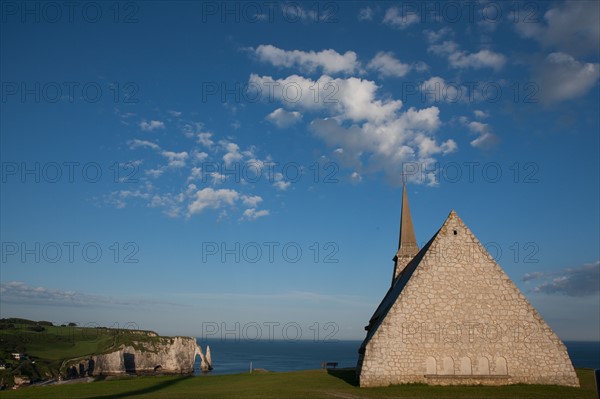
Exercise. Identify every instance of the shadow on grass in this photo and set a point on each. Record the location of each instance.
(347, 375)
(142, 391)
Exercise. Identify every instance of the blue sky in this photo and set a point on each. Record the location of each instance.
(193, 165)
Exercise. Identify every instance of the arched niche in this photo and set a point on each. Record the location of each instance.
(501, 367)
(465, 366)
(447, 366)
(483, 366)
(430, 366)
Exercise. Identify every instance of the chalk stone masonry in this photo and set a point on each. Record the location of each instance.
(452, 316)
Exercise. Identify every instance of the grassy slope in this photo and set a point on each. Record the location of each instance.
(301, 384)
(60, 342)
(53, 345)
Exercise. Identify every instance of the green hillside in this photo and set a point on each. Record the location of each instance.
(46, 346)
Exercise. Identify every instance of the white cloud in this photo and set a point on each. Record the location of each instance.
(204, 139)
(280, 183)
(427, 146)
(436, 89)
(132, 194)
(222, 215)
(232, 152)
(19, 292)
(330, 61)
(481, 59)
(486, 139)
(173, 212)
(170, 203)
(479, 114)
(196, 130)
(142, 144)
(426, 119)
(213, 199)
(124, 116)
(577, 281)
(421, 66)
(152, 125)
(386, 146)
(394, 18)
(175, 159)
(572, 27)
(461, 59)
(119, 198)
(191, 189)
(155, 173)
(217, 178)
(253, 214)
(176, 114)
(350, 98)
(561, 77)
(371, 133)
(435, 36)
(355, 177)
(365, 14)
(191, 200)
(251, 200)
(387, 65)
(200, 156)
(195, 174)
(282, 118)
(445, 48)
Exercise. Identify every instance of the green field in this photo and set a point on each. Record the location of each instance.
(300, 384)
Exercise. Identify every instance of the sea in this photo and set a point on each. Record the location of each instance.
(231, 356)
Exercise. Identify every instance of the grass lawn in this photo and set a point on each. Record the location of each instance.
(299, 384)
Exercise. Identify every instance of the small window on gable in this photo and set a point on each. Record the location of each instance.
(455, 232)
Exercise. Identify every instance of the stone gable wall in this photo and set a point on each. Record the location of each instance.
(461, 320)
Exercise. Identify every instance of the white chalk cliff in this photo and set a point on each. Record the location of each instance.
(172, 355)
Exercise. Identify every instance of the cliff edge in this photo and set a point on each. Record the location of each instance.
(167, 355)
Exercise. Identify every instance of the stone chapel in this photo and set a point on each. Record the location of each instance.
(452, 316)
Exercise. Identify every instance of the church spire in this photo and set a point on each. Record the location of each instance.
(407, 242)
(407, 232)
